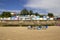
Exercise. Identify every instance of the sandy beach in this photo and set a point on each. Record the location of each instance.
(22, 33)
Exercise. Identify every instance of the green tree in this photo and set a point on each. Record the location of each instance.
(0, 15)
(24, 12)
(50, 15)
(6, 14)
(36, 14)
(31, 12)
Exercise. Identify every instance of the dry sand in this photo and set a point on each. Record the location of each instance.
(22, 33)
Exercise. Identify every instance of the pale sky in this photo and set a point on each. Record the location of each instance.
(48, 5)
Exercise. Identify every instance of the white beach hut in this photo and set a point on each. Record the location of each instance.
(41, 18)
(51, 19)
(44, 17)
(8, 18)
(24, 18)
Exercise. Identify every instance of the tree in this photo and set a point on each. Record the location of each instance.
(24, 12)
(36, 14)
(31, 12)
(0, 15)
(50, 15)
(6, 14)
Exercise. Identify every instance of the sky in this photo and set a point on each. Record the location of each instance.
(40, 6)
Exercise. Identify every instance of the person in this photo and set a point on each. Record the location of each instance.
(29, 27)
(46, 26)
(39, 27)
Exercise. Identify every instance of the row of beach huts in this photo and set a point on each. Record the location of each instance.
(28, 17)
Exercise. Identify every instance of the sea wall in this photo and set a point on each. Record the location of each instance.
(27, 22)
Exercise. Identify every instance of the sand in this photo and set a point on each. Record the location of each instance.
(22, 33)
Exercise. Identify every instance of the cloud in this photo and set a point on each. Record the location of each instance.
(50, 5)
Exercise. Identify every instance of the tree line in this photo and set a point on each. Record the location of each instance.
(24, 12)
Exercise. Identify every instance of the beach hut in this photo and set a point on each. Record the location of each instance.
(51, 19)
(13, 18)
(47, 16)
(41, 18)
(8, 18)
(37, 18)
(24, 18)
(44, 17)
(33, 18)
(58, 18)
